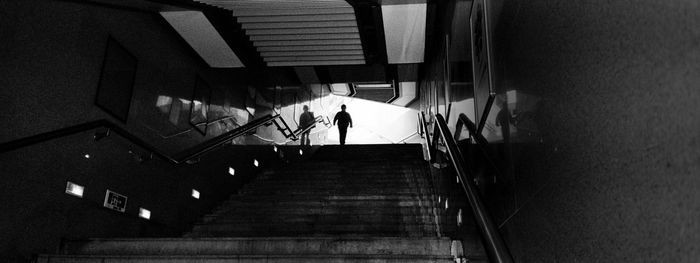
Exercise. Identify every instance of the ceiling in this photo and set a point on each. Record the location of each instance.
(299, 32)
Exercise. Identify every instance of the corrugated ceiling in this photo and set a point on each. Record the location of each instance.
(299, 32)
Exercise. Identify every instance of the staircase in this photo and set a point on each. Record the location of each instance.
(356, 203)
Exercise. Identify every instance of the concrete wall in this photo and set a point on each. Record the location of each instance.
(608, 170)
(37, 213)
(616, 175)
(53, 52)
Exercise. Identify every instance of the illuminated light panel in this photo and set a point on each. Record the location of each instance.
(144, 213)
(459, 217)
(301, 152)
(404, 32)
(87, 156)
(231, 171)
(374, 86)
(447, 203)
(74, 189)
(274, 148)
(256, 163)
(195, 194)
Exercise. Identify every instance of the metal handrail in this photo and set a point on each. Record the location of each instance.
(424, 131)
(471, 127)
(494, 244)
(179, 158)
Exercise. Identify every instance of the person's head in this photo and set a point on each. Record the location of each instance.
(343, 107)
(306, 108)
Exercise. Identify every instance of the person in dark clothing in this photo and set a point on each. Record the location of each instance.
(343, 119)
(306, 119)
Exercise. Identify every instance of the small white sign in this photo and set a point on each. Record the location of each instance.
(115, 201)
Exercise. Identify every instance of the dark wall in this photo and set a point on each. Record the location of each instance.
(608, 170)
(37, 213)
(615, 176)
(53, 52)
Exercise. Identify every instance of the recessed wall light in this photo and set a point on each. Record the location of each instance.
(301, 152)
(74, 189)
(447, 203)
(87, 156)
(195, 193)
(144, 213)
(459, 217)
(255, 162)
(231, 171)
(274, 148)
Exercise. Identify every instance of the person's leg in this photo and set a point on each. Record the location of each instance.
(343, 132)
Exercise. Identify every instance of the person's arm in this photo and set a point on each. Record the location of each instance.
(350, 119)
(335, 119)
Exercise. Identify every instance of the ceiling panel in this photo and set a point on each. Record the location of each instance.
(299, 32)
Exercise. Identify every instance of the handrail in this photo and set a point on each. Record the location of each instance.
(494, 244)
(179, 158)
(424, 131)
(471, 127)
(175, 134)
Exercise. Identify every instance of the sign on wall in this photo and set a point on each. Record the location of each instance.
(115, 201)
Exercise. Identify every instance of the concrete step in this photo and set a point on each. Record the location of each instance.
(256, 246)
(243, 259)
(329, 202)
(329, 192)
(328, 197)
(318, 211)
(366, 219)
(287, 228)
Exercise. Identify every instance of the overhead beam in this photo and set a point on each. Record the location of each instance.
(305, 37)
(294, 11)
(307, 42)
(296, 18)
(315, 63)
(315, 58)
(321, 30)
(299, 24)
(309, 48)
(200, 34)
(311, 53)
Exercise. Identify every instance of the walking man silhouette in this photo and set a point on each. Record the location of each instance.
(343, 119)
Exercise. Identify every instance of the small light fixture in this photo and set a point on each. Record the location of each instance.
(87, 156)
(457, 178)
(274, 148)
(301, 152)
(255, 162)
(195, 194)
(231, 171)
(447, 203)
(144, 213)
(459, 217)
(74, 189)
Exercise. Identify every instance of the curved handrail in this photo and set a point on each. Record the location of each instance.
(494, 244)
(179, 158)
